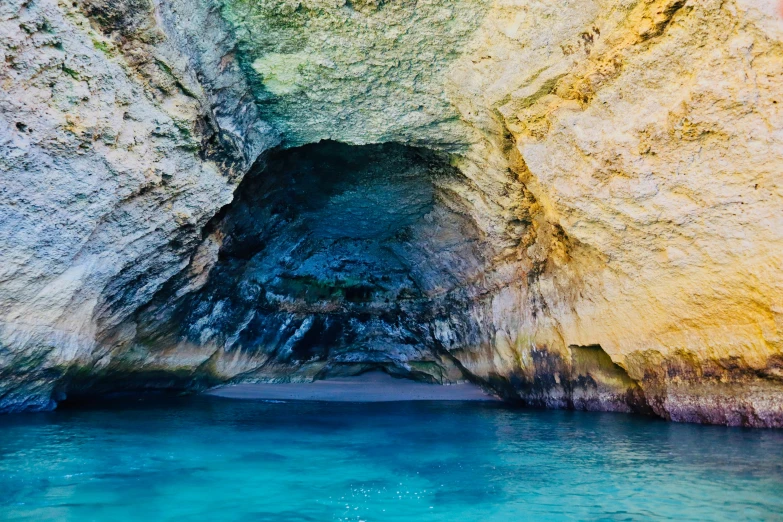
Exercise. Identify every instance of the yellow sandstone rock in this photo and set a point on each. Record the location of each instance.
(600, 228)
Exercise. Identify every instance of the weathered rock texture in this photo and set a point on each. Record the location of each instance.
(576, 204)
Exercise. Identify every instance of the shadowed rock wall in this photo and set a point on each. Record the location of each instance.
(332, 259)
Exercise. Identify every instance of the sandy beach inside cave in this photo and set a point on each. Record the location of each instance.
(369, 387)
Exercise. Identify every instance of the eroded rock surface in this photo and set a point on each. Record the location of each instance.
(574, 204)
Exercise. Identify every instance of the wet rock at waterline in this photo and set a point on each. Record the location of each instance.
(572, 206)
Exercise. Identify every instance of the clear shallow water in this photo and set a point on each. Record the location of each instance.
(201, 458)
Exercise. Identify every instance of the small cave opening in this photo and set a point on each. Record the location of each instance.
(333, 259)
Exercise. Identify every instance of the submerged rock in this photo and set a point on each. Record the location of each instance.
(573, 206)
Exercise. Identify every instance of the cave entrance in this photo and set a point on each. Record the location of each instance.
(337, 259)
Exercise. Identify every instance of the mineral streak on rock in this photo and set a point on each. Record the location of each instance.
(575, 204)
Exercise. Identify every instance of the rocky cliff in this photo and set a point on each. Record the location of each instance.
(576, 204)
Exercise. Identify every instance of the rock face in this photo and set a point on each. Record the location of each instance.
(575, 204)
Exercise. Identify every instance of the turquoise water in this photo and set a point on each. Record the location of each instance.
(200, 458)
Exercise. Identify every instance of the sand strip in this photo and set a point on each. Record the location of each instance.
(370, 387)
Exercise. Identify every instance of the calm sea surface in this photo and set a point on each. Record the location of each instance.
(202, 458)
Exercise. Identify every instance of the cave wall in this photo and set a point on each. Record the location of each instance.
(119, 143)
(332, 260)
(619, 162)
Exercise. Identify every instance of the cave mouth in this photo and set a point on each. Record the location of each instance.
(334, 259)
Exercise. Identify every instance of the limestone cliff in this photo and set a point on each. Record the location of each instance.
(573, 203)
